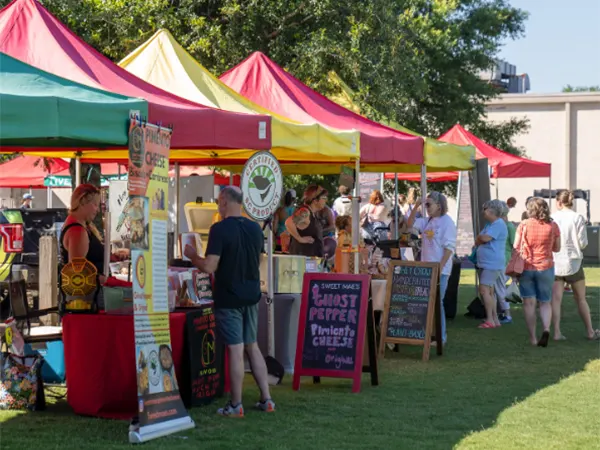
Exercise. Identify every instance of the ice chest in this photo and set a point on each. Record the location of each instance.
(53, 369)
(118, 300)
(288, 272)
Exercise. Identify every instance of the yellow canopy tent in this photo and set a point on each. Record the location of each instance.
(437, 154)
(163, 62)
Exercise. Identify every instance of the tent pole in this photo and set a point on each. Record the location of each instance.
(397, 212)
(423, 189)
(550, 191)
(48, 197)
(176, 250)
(107, 241)
(230, 178)
(77, 170)
(355, 216)
(497, 196)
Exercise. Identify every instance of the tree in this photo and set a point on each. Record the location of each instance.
(416, 62)
(569, 88)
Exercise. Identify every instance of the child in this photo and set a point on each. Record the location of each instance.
(344, 227)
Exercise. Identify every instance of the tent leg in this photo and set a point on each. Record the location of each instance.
(48, 197)
(230, 178)
(497, 196)
(397, 213)
(176, 250)
(270, 292)
(355, 217)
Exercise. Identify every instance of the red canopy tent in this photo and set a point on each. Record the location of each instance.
(503, 165)
(261, 80)
(29, 172)
(31, 34)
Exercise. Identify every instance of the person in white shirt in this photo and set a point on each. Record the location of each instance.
(438, 240)
(342, 206)
(568, 267)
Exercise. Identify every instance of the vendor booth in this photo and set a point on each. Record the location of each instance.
(299, 141)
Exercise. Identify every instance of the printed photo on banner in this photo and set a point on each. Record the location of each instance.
(138, 221)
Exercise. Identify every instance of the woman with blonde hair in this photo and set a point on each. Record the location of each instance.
(536, 240)
(79, 237)
(568, 264)
(374, 215)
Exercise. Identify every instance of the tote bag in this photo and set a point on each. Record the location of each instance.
(516, 265)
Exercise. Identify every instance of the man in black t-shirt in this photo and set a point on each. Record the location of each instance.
(233, 255)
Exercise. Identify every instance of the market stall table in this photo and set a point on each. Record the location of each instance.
(100, 362)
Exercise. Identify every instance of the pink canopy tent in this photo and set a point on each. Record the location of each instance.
(29, 172)
(261, 80)
(502, 164)
(28, 32)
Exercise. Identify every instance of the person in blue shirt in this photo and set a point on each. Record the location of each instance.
(491, 259)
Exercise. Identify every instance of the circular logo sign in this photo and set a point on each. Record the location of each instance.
(140, 270)
(262, 185)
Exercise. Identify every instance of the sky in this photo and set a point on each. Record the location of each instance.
(561, 45)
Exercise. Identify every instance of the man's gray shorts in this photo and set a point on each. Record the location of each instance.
(237, 325)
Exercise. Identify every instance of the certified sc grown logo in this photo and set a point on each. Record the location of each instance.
(262, 185)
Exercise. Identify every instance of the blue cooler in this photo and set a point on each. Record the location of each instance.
(53, 370)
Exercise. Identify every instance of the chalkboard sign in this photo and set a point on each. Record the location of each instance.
(331, 329)
(206, 355)
(410, 304)
(369, 182)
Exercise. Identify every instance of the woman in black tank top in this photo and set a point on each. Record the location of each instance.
(304, 227)
(79, 237)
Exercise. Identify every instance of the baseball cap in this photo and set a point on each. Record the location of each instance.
(27, 197)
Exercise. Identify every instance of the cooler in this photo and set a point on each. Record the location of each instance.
(53, 369)
(200, 216)
(288, 272)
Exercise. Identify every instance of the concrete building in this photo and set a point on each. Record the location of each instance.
(564, 131)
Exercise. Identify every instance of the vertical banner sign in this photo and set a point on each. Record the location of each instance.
(160, 408)
(118, 197)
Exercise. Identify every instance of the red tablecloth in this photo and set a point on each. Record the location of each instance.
(100, 362)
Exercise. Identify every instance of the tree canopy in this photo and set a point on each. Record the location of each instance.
(416, 62)
(569, 88)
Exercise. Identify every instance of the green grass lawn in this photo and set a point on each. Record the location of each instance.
(491, 390)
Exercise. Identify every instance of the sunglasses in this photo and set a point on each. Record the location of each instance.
(429, 204)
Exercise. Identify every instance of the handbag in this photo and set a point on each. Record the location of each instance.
(22, 386)
(516, 265)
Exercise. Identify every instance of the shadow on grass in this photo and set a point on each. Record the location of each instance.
(431, 405)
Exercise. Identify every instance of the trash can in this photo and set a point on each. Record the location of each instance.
(286, 310)
(451, 298)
